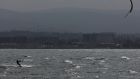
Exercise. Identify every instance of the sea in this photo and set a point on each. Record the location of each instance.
(70, 64)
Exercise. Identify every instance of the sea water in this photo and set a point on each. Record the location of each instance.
(70, 64)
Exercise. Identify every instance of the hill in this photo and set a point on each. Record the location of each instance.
(69, 20)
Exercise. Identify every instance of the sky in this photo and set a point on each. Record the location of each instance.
(34, 5)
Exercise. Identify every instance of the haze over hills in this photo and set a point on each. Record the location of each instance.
(69, 20)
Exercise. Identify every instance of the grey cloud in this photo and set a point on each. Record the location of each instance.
(27, 5)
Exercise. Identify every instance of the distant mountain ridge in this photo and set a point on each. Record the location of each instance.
(69, 20)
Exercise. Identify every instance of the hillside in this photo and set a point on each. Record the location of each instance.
(69, 20)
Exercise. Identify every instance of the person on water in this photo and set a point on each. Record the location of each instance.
(21, 59)
(18, 62)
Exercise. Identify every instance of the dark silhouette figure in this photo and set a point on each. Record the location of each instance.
(18, 63)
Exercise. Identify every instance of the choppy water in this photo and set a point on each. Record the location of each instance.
(70, 64)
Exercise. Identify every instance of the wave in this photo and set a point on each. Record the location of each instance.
(14, 65)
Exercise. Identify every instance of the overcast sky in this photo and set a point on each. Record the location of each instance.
(29, 5)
